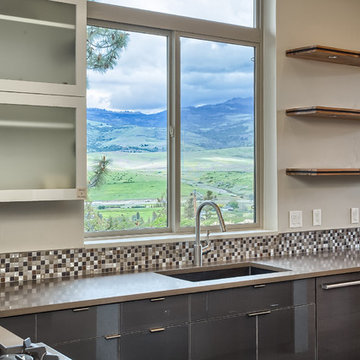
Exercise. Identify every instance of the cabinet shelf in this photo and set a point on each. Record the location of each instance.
(326, 112)
(37, 22)
(327, 54)
(322, 172)
(36, 125)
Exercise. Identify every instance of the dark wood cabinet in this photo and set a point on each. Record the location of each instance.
(23, 326)
(287, 334)
(338, 317)
(224, 339)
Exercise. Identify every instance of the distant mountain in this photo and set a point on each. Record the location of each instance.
(223, 125)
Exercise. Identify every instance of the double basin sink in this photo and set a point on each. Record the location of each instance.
(221, 272)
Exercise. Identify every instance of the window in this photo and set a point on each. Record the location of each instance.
(171, 120)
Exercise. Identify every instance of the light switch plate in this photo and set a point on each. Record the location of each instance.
(316, 213)
(354, 215)
(295, 218)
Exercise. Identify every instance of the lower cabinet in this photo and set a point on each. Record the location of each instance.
(161, 344)
(287, 334)
(338, 317)
(224, 339)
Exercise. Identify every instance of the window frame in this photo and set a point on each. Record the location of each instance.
(176, 27)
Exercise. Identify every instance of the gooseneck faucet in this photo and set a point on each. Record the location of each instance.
(198, 248)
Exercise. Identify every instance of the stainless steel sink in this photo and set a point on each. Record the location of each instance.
(221, 272)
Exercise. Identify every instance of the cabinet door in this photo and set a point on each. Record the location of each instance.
(158, 344)
(224, 339)
(45, 47)
(42, 147)
(287, 334)
(23, 326)
(78, 324)
(91, 349)
(338, 317)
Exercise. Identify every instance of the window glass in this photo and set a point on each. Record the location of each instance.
(217, 131)
(126, 130)
(238, 12)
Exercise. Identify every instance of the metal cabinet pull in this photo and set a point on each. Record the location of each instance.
(157, 299)
(81, 309)
(155, 330)
(259, 286)
(340, 285)
(258, 313)
(111, 337)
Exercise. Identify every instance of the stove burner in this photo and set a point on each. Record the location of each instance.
(28, 351)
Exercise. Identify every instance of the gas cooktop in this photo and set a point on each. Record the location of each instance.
(28, 351)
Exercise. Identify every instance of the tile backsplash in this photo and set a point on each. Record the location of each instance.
(39, 265)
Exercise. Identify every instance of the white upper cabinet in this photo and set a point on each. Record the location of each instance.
(43, 46)
(42, 147)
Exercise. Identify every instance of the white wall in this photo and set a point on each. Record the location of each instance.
(301, 143)
(317, 142)
(41, 225)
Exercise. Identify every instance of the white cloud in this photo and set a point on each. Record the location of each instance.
(98, 98)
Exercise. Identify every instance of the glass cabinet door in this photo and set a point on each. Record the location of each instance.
(40, 40)
(39, 147)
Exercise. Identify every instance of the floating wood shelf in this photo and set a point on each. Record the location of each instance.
(326, 112)
(327, 54)
(36, 22)
(321, 172)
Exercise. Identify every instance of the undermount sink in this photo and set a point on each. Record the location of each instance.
(221, 272)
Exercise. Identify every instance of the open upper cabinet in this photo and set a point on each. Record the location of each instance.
(43, 46)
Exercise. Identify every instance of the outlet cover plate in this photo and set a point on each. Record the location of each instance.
(295, 219)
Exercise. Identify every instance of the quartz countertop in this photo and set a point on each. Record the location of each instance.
(61, 294)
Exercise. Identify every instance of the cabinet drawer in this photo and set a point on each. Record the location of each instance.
(162, 311)
(252, 298)
(91, 349)
(168, 344)
(23, 326)
(70, 325)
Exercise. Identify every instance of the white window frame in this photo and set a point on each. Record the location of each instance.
(175, 27)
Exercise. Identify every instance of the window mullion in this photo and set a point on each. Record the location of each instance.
(174, 132)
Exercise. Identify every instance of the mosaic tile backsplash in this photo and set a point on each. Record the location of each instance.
(39, 265)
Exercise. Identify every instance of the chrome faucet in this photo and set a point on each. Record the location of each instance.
(198, 248)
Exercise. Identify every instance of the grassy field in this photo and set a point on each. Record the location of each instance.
(136, 187)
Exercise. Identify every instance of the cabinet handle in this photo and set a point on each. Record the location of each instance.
(111, 337)
(81, 309)
(157, 299)
(340, 285)
(259, 286)
(155, 330)
(266, 312)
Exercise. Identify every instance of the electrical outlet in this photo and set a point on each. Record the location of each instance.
(354, 215)
(295, 219)
(316, 214)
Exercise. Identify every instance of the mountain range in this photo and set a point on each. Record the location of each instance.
(223, 125)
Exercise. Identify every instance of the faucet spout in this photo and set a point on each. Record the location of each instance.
(197, 246)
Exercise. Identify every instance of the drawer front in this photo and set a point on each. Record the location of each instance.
(164, 344)
(252, 298)
(162, 311)
(69, 325)
(91, 349)
(23, 326)
(225, 339)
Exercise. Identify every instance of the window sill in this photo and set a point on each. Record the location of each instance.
(103, 242)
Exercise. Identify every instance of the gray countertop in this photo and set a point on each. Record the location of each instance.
(69, 293)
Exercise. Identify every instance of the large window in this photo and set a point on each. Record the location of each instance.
(171, 121)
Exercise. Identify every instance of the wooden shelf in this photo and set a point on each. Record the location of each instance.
(322, 172)
(327, 54)
(36, 22)
(326, 112)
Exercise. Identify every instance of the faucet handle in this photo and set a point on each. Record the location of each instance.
(207, 248)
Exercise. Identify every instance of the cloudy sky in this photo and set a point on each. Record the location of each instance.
(211, 72)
